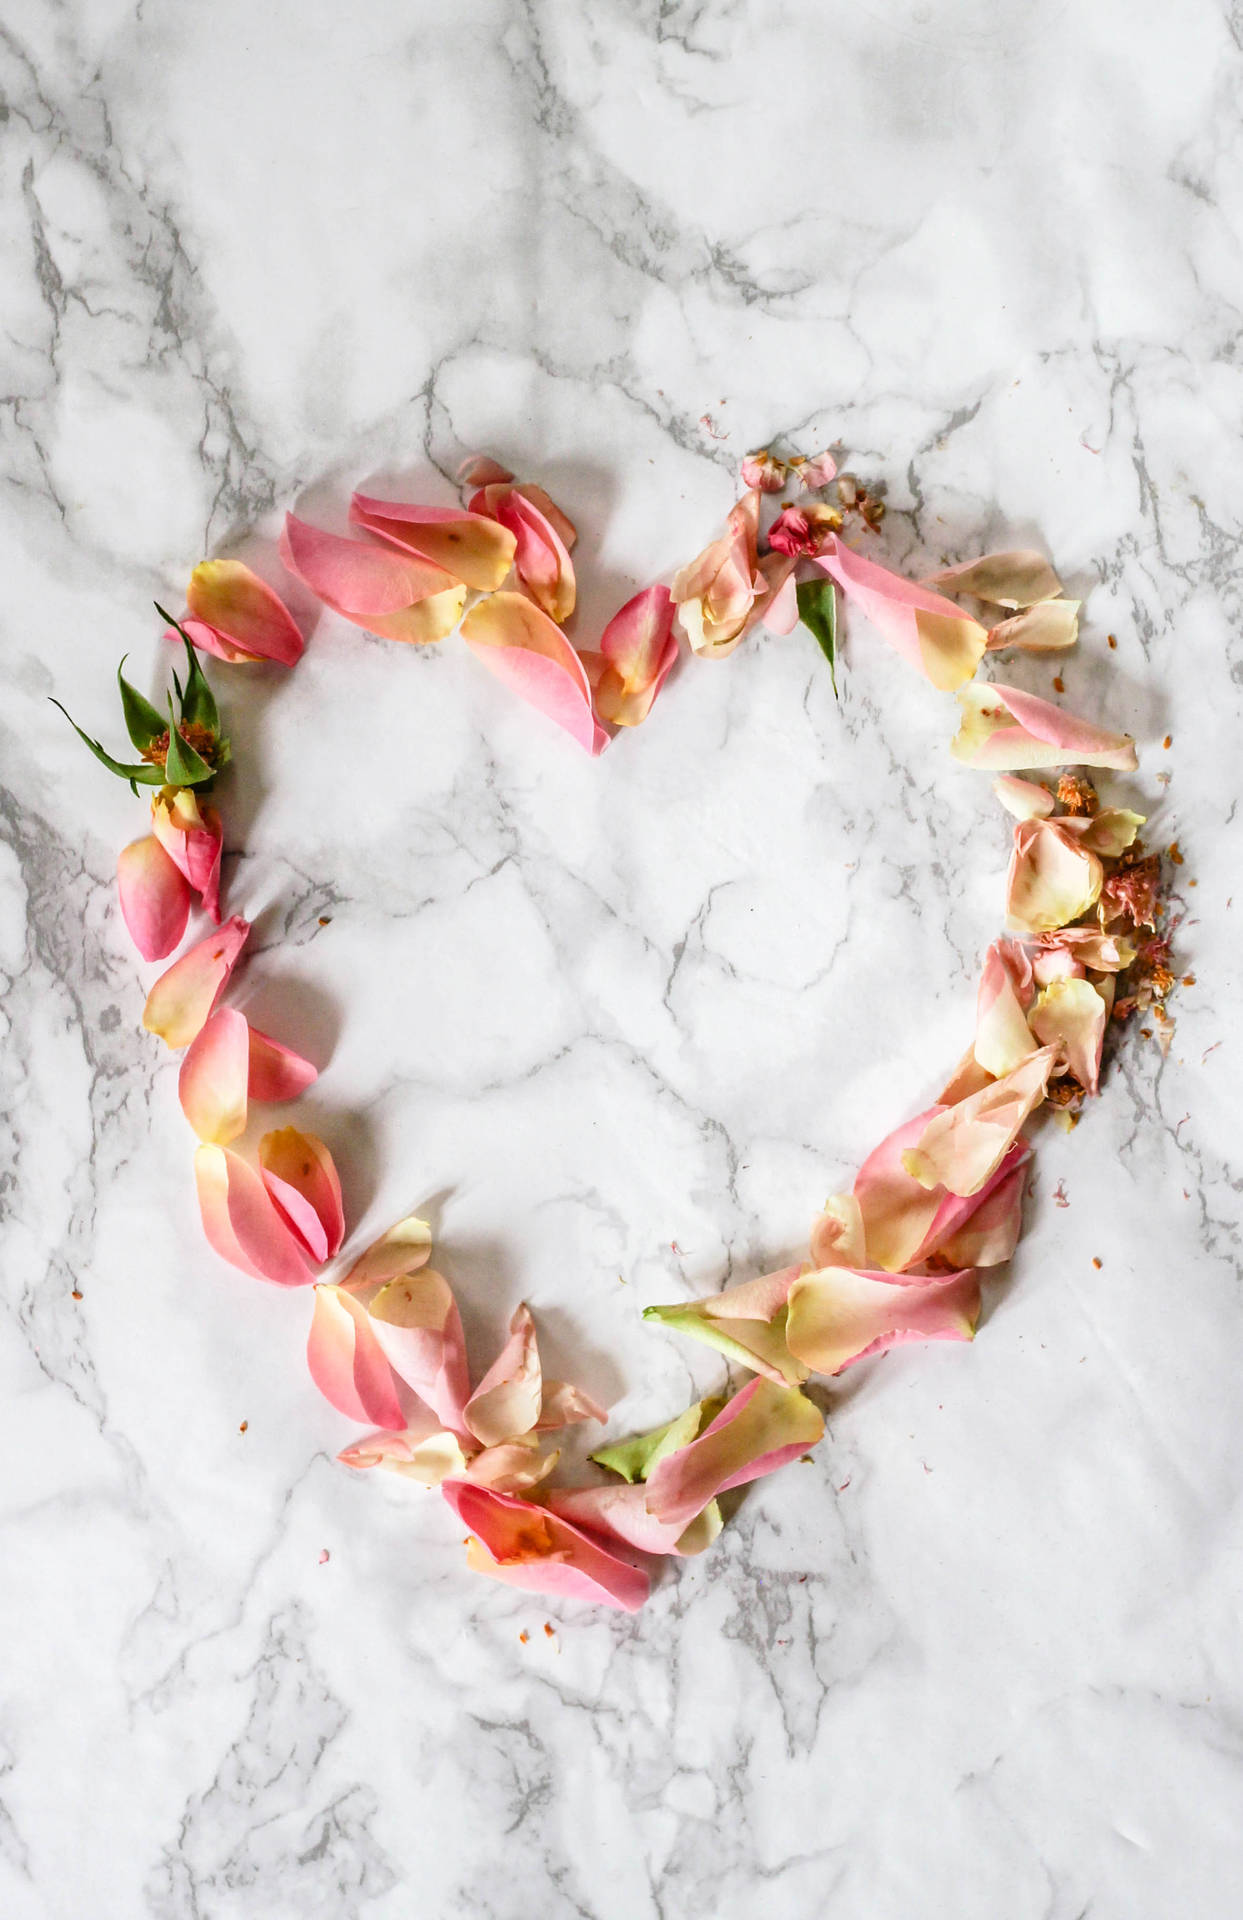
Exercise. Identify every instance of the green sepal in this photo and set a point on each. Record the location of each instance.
(141, 773)
(817, 609)
(183, 767)
(143, 722)
(634, 1459)
(198, 702)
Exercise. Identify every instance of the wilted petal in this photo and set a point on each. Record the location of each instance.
(777, 603)
(1042, 629)
(963, 1146)
(470, 547)
(620, 1513)
(763, 472)
(1019, 579)
(155, 897)
(1025, 799)
(526, 650)
(930, 633)
(212, 1083)
(243, 612)
(1004, 729)
(276, 1072)
(1102, 952)
(756, 1432)
(906, 1224)
(1109, 832)
(637, 651)
(716, 594)
(514, 1466)
(838, 1316)
(794, 533)
(541, 552)
(1069, 1015)
(182, 998)
(1052, 878)
(241, 1222)
(299, 1174)
(403, 1250)
(425, 1454)
(397, 596)
(192, 837)
(815, 473)
(746, 1323)
(349, 1368)
(507, 1400)
(527, 1546)
(1002, 1035)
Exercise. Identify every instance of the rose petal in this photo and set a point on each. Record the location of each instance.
(470, 547)
(349, 1368)
(837, 1237)
(962, 1147)
(244, 612)
(155, 897)
(1007, 730)
(637, 651)
(635, 1458)
(515, 1466)
(393, 595)
(299, 1174)
(241, 1223)
(212, 1083)
(1025, 799)
(507, 1400)
(1102, 952)
(1042, 629)
(277, 1073)
(526, 1546)
(403, 1250)
(1109, 832)
(1002, 1035)
(565, 1405)
(192, 837)
(746, 1323)
(756, 1432)
(481, 470)
(989, 1235)
(427, 1457)
(1069, 1015)
(904, 1222)
(838, 1316)
(716, 595)
(526, 650)
(541, 554)
(930, 633)
(415, 1319)
(1018, 579)
(182, 998)
(1052, 878)
(620, 1513)
(815, 473)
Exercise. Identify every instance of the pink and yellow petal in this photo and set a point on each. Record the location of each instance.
(507, 1400)
(1006, 730)
(530, 654)
(213, 1082)
(181, 1000)
(471, 547)
(527, 1546)
(759, 1430)
(838, 1316)
(1022, 578)
(300, 1177)
(962, 1147)
(155, 897)
(241, 1223)
(243, 611)
(350, 1370)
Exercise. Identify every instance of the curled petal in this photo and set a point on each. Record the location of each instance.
(1052, 877)
(247, 620)
(215, 1071)
(481, 470)
(838, 1316)
(565, 1405)
(962, 1147)
(1069, 1015)
(527, 1546)
(182, 998)
(794, 533)
(398, 596)
(349, 1368)
(506, 1402)
(637, 651)
(415, 1319)
(241, 1223)
(1002, 1035)
(930, 633)
(1025, 799)
(299, 1174)
(620, 1513)
(470, 547)
(777, 600)
(837, 1236)
(403, 1250)
(763, 472)
(276, 1072)
(1102, 952)
(746, 1323)
(815, 473)
(515, 1466)
(426, 1457)
(989, 1235)
(1019, 579)
(716, 594)
(155, 897)
(905, 1223)
(1109, 832)
(541, 549)
(192, 837)
(1042, 629)
(526, 650)
(1006, 730)
(756, 1432)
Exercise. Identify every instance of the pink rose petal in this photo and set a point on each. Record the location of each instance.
(757, 1431)
(212, 1083)
(541, 554)
(192, 837)
(637, 651)
(470, 547)
(1006, 730)
(526, 650)
(241, 1223)
(527, 1546)
(242, 612)
(300, 1176)
(155, 897)
(397, 596)
(347, 1365)
(838, 1316)
(507, 1400)
(277, 1073)
(182, 998)
(930, 633)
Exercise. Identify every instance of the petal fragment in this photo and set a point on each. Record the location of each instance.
(182, 998)
(525, 649)
(155, 897)
(746, 1323)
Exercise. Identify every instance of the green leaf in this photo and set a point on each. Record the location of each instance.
(198, 702)
(145, 774)
(143, 722)
(817, 609)
(183, 766)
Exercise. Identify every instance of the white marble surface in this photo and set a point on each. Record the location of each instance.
(622, 1025)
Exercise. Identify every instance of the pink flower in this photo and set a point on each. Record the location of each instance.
(236, 615)
(526, 1546)
(528, 651)
(543, 539)
(637, 652)
(398, 596)
(155, 897)
(192, 837)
